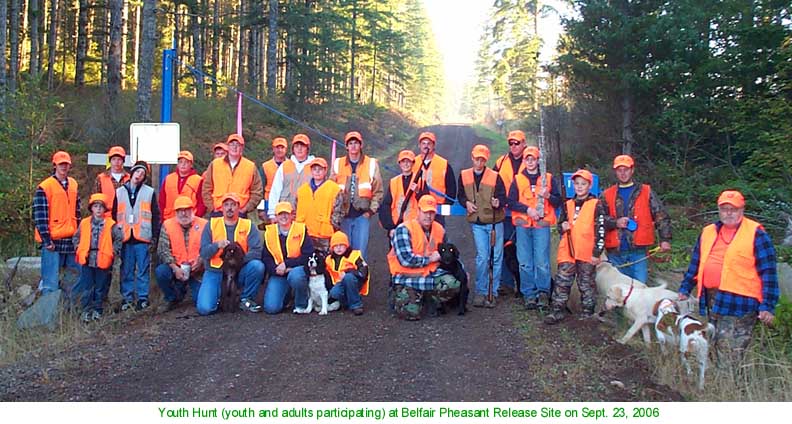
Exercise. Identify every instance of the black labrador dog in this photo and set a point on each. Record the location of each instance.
(449, 261)
(512, 264)
(233, 259)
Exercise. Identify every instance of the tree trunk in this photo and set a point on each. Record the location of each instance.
(215, 45)
(148, 42)
(52, 44)
(101, 30)
(353, 53)
(3, 42)
(177, 45)
(272, 48)
(627, 115)
(114, 55)
(242, 52)
(33, 23)
(82, 44)
(197, 52)
(136, 46)
(13, 57)
(124, 41)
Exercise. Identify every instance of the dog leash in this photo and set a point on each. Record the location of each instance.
(652, 252)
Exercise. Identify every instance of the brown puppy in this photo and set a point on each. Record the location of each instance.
(233, 259)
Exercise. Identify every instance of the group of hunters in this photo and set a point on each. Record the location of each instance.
(304, 204)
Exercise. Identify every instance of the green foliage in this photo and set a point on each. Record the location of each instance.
(781, 330)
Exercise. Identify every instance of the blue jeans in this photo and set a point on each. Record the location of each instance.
(51, 264)
(94, 283)
(357, 229)
(507, 279)
(135, 271)
(278, 286)
(481, 236)
(175, 291)
(533, 253)
(348, 292)
(639, 271)
(248, 280)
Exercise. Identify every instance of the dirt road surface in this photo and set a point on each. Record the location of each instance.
(501, 354)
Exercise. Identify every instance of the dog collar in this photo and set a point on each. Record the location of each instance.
(632, 285)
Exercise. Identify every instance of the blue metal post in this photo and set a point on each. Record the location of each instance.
(168, 62)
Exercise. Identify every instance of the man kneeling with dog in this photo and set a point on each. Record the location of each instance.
(218, 234)
(413, 261)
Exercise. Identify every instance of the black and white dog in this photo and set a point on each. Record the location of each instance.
(233, 259)
(319, 285)
(449, 261)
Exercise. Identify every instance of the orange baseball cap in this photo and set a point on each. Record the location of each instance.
(586, 175)
(516, 135)
(339, 238)
(220, 145)
(279, 141)
(732, 197)
(232, 196)
(282, 207)
(427, 203)
(406, 154)
(301, 138)
(531, 151)
(186, 155)
(480, 151)
(623, 160)
(116, 151)
(61, 157)
(428, 136)
(235, 137)
(353, 135)
(183, 202)
(98, 197)
(318, 161)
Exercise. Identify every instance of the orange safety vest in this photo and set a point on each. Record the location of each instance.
(269, 167)
(62, 206)
(138, 217)
(527, 197)
(506, 171)
(739, 275)
(420, 246)
(581, 232)
(294, 241)
(397, 193)
(644, 235)
(104, 256)
(218, 228)
(482, 196)
(365, 174)
(181, 252)
(108, 186)
(346, 264)
(314, 208)
(226, 181)
(434, 176)
(171, 188)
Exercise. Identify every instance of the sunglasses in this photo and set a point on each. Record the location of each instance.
(514, 143)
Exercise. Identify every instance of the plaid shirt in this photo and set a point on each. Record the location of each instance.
(402, 246)
(41, 219)
(730, 304)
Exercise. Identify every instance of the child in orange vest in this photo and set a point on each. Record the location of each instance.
(320, 205)
(350, 275)
(582, 229)
(98, 241)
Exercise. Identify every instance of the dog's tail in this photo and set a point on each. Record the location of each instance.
(662, 284)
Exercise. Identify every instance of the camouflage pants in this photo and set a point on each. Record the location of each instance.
(567, 273)
(732, 334)
(408, 301)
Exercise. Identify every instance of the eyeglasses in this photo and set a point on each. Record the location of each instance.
(514, 143)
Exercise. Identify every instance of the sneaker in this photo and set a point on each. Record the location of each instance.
(333, 306)
(530, 304)
(555, 317)
(249, 306)
(85, 316)
(127, 305)
(141, 305)
(358, 311)
(96, 315)
(490, 303)
(543, 301)
(478, 301)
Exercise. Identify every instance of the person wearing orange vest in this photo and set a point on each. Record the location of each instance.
(216, 236)
(319, 206)
(136, 210)
(291, 174)
(582, 228)
(360, 179)
(184, 181)
(179, 254)
(507, 166)
(413, 262)
(733, 266)
(233, 174)
(533, 231)
(285, 254)
(98, 241)
(401, 201)
(433, 171)
(108, 181)
(482, 193)
(634, 211)
(268, 170)
(56, 211)
(349, 272)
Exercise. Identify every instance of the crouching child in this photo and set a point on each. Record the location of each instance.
(98, 241)
(349, 272)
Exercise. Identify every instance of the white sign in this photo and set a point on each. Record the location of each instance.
(155, 143)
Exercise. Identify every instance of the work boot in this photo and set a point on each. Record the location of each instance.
(554, 317)
(586, 313)
(530, 304)
(544, 300)
(490, 303)
(358, 311)
(478, 301)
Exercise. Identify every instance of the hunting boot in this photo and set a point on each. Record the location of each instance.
(555, 316)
